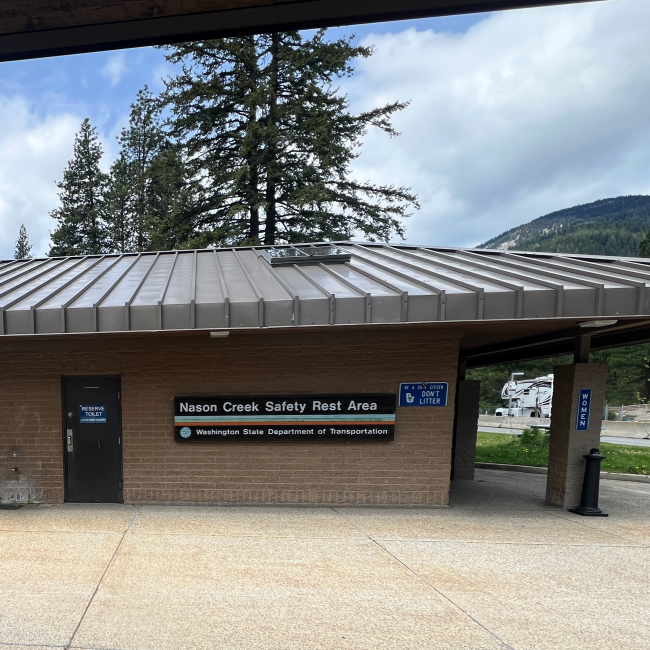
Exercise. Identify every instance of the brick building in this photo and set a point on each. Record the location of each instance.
(96, 352)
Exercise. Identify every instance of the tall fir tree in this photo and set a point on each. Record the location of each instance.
(172, 206)
(81, 228)
(147, 183)
(23, 248)
(644, 246)
(141, 143)
(119, 214)
(269, 141)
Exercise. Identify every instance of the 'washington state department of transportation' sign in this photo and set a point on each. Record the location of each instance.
(285, 417)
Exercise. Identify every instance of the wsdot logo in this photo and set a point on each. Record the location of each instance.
(186, 432)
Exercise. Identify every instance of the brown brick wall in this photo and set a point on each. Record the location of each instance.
(566, 466)
(414, 469)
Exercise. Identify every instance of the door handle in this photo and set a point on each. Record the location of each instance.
(70, 440)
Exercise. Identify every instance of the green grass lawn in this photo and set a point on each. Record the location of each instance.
(532, 449)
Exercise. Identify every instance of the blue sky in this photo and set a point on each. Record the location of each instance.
(103, 85)
(44, 100)
(512, 115)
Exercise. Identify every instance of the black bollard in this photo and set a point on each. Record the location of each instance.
(589, 498)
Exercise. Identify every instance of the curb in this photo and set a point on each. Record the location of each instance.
(527, 469)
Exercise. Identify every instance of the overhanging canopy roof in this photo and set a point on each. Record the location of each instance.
(509, 294)
(36, 28)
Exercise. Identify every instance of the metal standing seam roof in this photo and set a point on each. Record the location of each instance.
(239, 288)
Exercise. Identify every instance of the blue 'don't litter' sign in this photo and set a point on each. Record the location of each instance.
(584, 408)
(423, 394)
(92, 413)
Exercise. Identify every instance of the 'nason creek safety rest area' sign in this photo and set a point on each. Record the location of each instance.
(286, 417)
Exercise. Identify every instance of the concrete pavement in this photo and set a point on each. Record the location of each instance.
(498, 569)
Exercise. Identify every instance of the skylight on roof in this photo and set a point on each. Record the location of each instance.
(306, 255)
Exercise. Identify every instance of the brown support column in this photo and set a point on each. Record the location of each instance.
(566, 466)
(465, 429)
(582, 348)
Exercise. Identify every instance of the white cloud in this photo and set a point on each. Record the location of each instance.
(528, 112)
(33, 153)
(160, 74)
(115, 67)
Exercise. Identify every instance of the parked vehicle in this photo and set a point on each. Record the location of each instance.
(529, 398)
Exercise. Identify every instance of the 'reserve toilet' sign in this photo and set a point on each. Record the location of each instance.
(92, 413)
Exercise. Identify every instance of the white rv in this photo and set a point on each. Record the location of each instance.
(530, 398)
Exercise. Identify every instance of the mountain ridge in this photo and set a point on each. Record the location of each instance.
(612, 226)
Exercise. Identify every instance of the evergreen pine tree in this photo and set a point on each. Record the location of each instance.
(141, 144)
(23, 248)
(81, 229)
(119, 217)
(644, 246)
(628, 374)
(147, 183)
(268, 141)
(172, 205)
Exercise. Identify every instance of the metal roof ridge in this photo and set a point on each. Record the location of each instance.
(127, 303)
(4, 307)
(163, 293)
(400, 292)
(364, 244)
(363, 294)
(254, 287)
(224, 289)
(50, 295)
(83, 290)
(478, 291)
(23, 270)
(285, 286)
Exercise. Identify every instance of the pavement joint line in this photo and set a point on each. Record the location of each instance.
(494, 543)
(364, 536)
(136, 511)
(585, 524)
(93, 647)
(135, 533)
(6, 644)
(426, 582)
(65, 532)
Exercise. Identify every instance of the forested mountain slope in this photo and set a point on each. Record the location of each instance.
(606, 227)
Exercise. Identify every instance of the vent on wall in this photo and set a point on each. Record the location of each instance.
(305, 255)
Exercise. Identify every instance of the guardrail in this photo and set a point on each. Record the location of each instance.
(610, 427)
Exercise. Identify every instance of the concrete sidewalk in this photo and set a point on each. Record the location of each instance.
(498, 569)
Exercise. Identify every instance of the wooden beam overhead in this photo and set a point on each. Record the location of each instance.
(39, 28)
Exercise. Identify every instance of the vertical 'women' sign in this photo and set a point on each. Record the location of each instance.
(584, 406)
